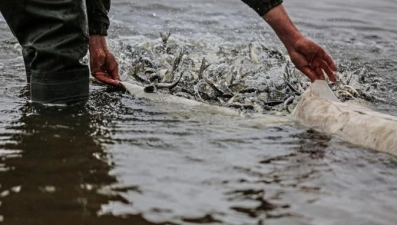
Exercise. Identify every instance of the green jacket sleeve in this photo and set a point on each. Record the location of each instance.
(98, 20)
(262, 6)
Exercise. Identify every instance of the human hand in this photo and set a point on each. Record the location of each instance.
(103, 64)
(307, 56)
(312, 60)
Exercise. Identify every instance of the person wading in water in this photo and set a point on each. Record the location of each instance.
(56, 35)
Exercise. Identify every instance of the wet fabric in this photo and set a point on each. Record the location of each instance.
(98, 20)
(262, 6)
(319, 109)
(54, 39)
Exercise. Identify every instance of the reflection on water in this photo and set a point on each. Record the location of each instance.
(116, 160)
(52, 168)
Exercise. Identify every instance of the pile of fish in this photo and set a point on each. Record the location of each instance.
(250, 77)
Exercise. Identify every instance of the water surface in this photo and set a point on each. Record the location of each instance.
(120, 160)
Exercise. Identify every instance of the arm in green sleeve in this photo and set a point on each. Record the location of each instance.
(262, 6)
(98, 20)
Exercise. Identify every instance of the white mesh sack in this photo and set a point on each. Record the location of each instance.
(321, 110)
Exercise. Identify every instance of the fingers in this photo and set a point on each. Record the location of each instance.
(318, 61)
(104, 68)
(319, 73)
(323, 63)
(106, 78)
(329, 62)
(309, 73)
(328, 65)
(113, 67)
(328, 70)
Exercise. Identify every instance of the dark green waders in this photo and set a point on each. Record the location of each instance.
(54, 39)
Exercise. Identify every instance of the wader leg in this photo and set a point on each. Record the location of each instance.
(28, 55)
(54, 38)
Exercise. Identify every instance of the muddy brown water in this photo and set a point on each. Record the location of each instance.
(120, 160)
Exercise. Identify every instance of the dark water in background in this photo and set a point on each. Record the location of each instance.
(119, 160)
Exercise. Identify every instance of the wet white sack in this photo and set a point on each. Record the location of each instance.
(321, 110)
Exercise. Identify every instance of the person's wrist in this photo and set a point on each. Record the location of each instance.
(285, 29)
(97, 41)
(291, 41)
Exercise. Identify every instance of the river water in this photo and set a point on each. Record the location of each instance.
(122, 160)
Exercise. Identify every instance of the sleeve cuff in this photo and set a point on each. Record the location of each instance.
(262, 7)
(98, 29)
